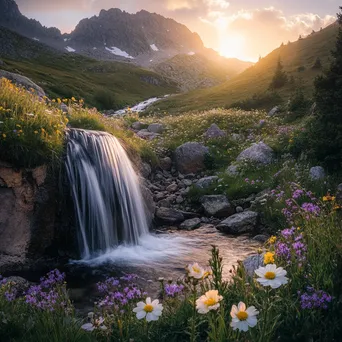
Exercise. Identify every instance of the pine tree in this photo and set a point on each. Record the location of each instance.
(279, 78)
(326, 129)
(317, 64)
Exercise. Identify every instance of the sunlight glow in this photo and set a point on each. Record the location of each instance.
(232, 46)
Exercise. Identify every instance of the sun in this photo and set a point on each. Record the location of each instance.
(232, 46)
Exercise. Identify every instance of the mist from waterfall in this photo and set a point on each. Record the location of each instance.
(105, 191)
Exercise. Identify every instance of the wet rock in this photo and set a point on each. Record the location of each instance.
(156, 128)
(239, 209)
(159, 196)
(150, 206)
(214, 132)
(138, 125)
(206, 182)
(241, 223)
(274, 111)
(252, 263)
(189, 215)
(217, 206)
(317, 173)
(261, 238)
(166, 163)
(258, 153)
(145, 170)
(164, 203)
(170, 216)
(187, 182)
(190, 224)
(179, 199)
(172, 188)
(21, 284)
(190, 157)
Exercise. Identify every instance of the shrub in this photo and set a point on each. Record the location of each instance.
(266, 101)
(279, 78)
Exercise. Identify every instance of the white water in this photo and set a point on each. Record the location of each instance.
(142, 106)
(106, 193)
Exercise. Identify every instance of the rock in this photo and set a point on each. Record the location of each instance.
(258, 153)
(64, 108)
(138, 125)
(240, 223)
(156, 128)
(239, 209)
(190, 157)
(191, 224)
(145, 170)
(313, 109)
(189, 215)
(273, 111)
(252, 263)
(317, 173)
(214, 132)
(179, 199)
(232, 170)
(187, 182)
(172, 188)
(166, 163)
(236, 137)
(22, 81)
(21, 284)
(206, 182)
(165, 216)
(143, 134)
(159, 196)
(164, 203)
(150, 206)
(261, 238)
(217, 206)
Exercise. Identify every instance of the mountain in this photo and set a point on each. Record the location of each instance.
(194, 71)
(144, 39)
(104, 84)
(298, 59)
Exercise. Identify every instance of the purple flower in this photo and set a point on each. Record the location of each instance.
(172, 290)
(297, 193)
(288, 233)
(311, 208)
(314, 299)
(283, 251)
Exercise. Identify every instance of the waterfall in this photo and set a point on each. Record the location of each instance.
(105, 191)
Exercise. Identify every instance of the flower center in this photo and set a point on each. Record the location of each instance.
(196, 269)
(270, 275)
(148, 308)
(210, 302)
(242, 315)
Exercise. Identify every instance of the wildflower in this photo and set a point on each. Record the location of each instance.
(151, 310)
(328, 198)
(337, 207)
(271, 276)
(171, 290)
(73, 99)
(96, 324)
(195, 271)
(209, 301)
(243, 318)
(314, 299)
(311, 208)
(269, 258)
(4, 136)
(272, 240)
(30, 114)
(35, 132)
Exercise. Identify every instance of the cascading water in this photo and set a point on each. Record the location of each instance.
(105, 191)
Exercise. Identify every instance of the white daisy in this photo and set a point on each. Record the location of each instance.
(242, 318)
(209, 301)
(150, 310)
(272, 276)
(195, 271)
(96, 324)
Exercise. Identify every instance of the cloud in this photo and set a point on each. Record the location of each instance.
(217, 3)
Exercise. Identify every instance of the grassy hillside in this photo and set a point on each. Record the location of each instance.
(297, 57)
(106, 85)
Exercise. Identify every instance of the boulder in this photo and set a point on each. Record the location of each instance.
(217, 206)
(252, 263)
(20, 284)
(191, 224)
(145, 170)
(190, 157)
(144, 134)
(206, 182)
(165, 163)
(22, 81)
(317, 173)
(168, 216)
(241, 223)
(261, 238)
(156, 128)
(214, 132)
(172, 188)
(138, 125)
(150, 206)
(258, 153)
(273, 111)
(233, 170)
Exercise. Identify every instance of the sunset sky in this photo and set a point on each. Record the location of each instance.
(243, 29)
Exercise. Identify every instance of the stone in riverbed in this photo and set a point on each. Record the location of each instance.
(165, 216)
(191, 224)
(246, 222)
(190, 157)
(217, 206)
(252, 263)
(206, 182)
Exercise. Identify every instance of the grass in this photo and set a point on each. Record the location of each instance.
(256, 80)
(106, 85)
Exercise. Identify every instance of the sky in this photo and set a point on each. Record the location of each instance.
(244, 29)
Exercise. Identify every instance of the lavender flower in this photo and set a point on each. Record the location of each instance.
(172, 290)
(314, 299)
(311, 208)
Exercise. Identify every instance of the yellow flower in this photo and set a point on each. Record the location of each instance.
(73, 99)
(272, 240)
(35, 132)
(53, 100)
(269, 258)
(4, 135)
(59, 100)
(337, 207)
(328, 198)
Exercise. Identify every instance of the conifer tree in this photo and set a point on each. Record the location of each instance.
(279, 78)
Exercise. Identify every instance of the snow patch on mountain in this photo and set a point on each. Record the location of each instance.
(154, 47)
(70, 49)
(34, 38)
(116, 51)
